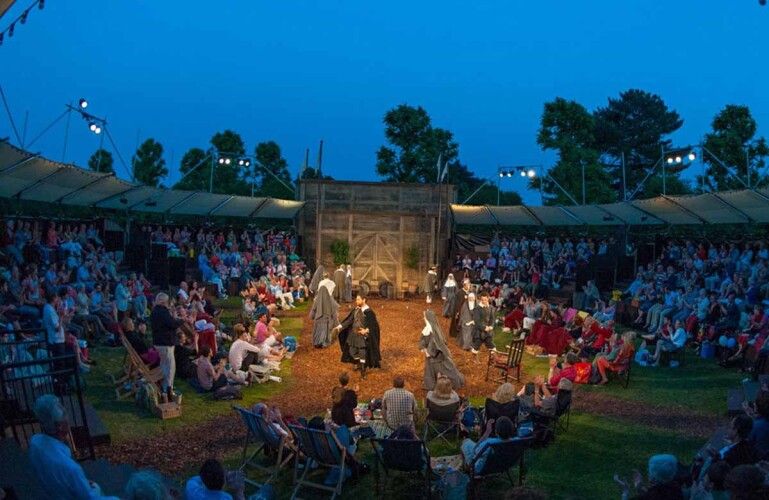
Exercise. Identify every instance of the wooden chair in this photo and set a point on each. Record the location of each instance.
(259, 431)
(500, 458)
(136, 371)
(322, 448)
(506, 362)
(407, 457)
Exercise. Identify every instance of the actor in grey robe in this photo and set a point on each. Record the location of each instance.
(325, 316)
(430, 285)
(449, 296)
(313, 288)
(467, 323)
(340, 280)
(438, 359)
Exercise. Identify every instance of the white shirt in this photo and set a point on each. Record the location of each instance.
(121, 297)
(196, 490)
(329, 284)
(60, 477)
(238, 352)
(53, 330)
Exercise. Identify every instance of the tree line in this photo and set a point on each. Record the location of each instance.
(632, 129)
(613, 148)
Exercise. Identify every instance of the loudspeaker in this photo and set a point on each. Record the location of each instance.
(157, 272)
(176, 270)
(158, 251)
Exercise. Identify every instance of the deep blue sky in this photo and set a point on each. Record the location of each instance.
(300, 71)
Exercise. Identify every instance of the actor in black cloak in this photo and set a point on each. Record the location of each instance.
(483, 316)
(340, 280)
(316, 279)
(430, 285)
(467, 323)
(325, 316)
(449, 296)
(359, 337)
(438, 358)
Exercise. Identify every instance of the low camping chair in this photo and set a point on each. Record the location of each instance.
(623, 372)
(506, 362)
(408, 456)
(260, 431)
(494, 410)
(442, 420)
(322, 448)
(501, 458)
(560, 419)
(678, 355)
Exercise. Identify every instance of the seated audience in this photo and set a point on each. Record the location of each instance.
(472, 451)
(344, 402)
(399, 405)
(210, 482)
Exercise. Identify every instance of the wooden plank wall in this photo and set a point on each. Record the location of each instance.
(380, 221)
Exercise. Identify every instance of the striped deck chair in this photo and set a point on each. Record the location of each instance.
(261, 432)
(323, 448)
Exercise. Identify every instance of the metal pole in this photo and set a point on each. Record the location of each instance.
(747, 163)
(541, 182)
(101, 142)
(499, 180)
(24, 129)
(318, 238)
(624, 178)
(664, 174)
(584, 190)
(66, 136)
(702, 170)
(211, 181)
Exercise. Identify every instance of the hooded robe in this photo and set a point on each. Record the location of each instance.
(313, 288)
(449, 295)
(325, 316)
(438, 359)
(340, 280)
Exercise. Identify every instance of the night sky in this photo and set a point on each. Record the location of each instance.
(300, 71)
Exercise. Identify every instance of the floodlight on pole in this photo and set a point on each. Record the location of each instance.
(83, 103)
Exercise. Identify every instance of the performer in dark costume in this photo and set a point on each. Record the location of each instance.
(430, 284)
(449, 295)
(460, 297)
(359, 337)
(340, 280)
(483, 315)
(438, 358)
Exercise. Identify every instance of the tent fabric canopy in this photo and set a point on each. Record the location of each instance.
(729, 207)
(26, 176)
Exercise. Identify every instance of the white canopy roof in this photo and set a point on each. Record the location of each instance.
(26, 176)
(730, 207)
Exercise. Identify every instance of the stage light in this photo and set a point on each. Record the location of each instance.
(509, 174)
(501, 174)
(83, 103)
(92, 126)
(670, 160)
(248, 163)
(10, 30)
(23, 18)
(241, 162)
(523, 173)
(692, 156)
(41, 4)
(1, 38)
(221, 161)
(97, 131)
(531, 173)
(678, 159)
(227, 161)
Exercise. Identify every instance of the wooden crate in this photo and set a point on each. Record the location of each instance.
(168, 410)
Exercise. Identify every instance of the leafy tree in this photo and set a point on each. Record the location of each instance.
(197, 179)
(635, 124)
(312, 173)
(568, 128)
(149, 165)
(733, 140)
(102, 161)
(229, 177)
(414, 146)
(269, 165)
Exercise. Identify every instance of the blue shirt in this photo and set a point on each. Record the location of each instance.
(196, 490)
(61, 477)
(54, 333)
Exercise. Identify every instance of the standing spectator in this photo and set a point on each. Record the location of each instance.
(54, 329)
(399, 405)
(164, 337)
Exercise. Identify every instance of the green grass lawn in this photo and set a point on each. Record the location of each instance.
(579, 465)
(125, 421)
